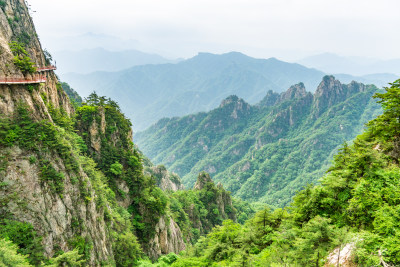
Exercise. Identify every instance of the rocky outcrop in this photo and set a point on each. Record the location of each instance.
(237, 106)
(167, 239)
(167, 181)
(24, 196)
(17, 25)
(330, 92)
(221, 199)
(295, 91)
(202, 180)
(105, 130)
(342, 256)
(270, 99)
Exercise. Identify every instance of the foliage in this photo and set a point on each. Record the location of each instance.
(119, 161)
(21, 58)
(25, 238)
(127, 250)
(9, 255)
(74, 97)
(70, 258)
(267, 152)
(356, 203)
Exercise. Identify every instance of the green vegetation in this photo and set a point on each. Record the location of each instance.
(21, 58)
(119, 161)
(9, 255)
(3, 4)
(198, 210)
(74, 97)
(268, 152)
(356, 205)
(23, 235)
(49, 144)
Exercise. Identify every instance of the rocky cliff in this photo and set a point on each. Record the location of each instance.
(108, 136)
(84, 192)
(43, 181)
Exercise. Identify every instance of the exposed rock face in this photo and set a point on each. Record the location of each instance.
(202, 180)
(331, 91)
(239, 108)
(26, 197)
(168, 238)
(342, 256)
(167, 234)
(167, 181)
(16, 24)
(221, 200)
(295, 91)
(53, 216)
(270, 99)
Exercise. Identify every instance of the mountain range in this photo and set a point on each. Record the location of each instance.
(150, 92)
(264, 152)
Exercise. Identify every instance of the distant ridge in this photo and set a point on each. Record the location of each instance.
(263, 152)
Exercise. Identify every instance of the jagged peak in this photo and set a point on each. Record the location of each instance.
(269, 99)
(203, 179)
(295, 91)
(328, 83)
(231, 99)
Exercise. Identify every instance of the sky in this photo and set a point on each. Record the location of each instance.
(286, 29)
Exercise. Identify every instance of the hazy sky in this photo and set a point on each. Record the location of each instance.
(287, 29)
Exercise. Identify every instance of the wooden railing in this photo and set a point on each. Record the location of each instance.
(46, 68)
(22, 80)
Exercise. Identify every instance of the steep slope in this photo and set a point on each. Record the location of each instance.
(350, 219)
(73, 190)
(148, 93)
(265, 152)
(44, 183)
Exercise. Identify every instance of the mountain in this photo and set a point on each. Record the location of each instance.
(350, 219)
(148, 93)
(263, 152)
(333, 64)
(74, 190)
(100, 59)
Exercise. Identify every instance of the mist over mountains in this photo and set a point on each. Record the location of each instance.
(99, 59)
(361, 66)
(150, 92)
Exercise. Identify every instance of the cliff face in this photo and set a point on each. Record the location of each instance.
(30, 163)
(26, 198)
(217, 201)
(108, 136)
(167, 181)
(16, 26)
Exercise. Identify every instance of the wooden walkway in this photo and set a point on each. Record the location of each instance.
(35, 80)
(22, 80)
(46, 68)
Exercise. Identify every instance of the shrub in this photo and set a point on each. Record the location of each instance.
(21, 58)
(9, 255)
(127, 250)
